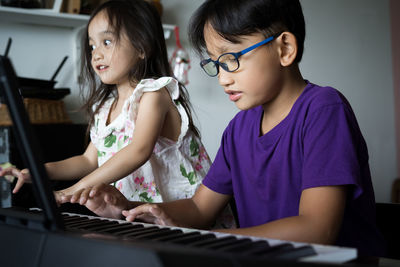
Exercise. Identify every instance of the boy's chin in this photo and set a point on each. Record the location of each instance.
(243, 106)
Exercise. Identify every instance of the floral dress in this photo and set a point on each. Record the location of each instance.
(175, 168)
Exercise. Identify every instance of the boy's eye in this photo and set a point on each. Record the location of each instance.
(107, 42)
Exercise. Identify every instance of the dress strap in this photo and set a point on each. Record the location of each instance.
(172, 85)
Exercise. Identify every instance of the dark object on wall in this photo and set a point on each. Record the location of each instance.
(388, 222)
(87, 6)
(157, 4)
(57, 141)
(39, 83)
(23, 3)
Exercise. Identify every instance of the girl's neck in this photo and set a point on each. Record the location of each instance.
(125, 91)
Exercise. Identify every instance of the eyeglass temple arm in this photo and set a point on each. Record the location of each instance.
(269, 39)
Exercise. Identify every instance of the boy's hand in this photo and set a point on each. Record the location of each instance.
(104, 200)
(22, 175)
(149, 213)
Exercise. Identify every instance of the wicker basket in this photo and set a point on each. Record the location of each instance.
(40, 111)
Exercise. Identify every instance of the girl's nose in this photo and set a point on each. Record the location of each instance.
(96, 54)
(224, 77)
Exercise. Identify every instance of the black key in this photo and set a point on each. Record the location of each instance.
(190, 239)
(84, 223)
(156, 235)
(120, 227)
(295, 253)
(240, 243)
(133, 228)
(245, 246)
(207, 242)
(75, 219)
(134, 232)
(177, 236)
(226, 242)
(273, 250)
(100, 226)
(145, 235)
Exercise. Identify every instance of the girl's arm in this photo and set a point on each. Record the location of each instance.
(68, 169)
(74, 167)
(150, 120)
(320, 217)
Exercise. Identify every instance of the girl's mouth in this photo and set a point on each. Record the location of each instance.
(101, 67)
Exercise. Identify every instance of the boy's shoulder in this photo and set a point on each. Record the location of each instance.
(315, 96)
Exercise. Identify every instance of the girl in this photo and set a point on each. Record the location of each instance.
(143, 139)
(294, 158)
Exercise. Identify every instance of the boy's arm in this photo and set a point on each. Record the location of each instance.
(320, 216)
(200, 211)
(150, 119)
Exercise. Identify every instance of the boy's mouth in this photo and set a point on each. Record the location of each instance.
(234, 95)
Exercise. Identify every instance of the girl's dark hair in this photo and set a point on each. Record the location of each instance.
(234, 18)
(142, 25)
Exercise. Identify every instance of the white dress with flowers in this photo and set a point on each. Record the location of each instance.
(174, 170)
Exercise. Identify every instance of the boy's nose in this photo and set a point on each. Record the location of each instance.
(225, 78)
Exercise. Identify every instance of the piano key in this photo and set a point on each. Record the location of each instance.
(273, 250)
(207, 242)
(152, 236)
(145, 235)
(99, 226)
(295, 253)
(78, 223)
(82, 223)
(189, 239)
(119, 228)
(245, 245)
(138, 230)
(75, 219)
(180, 235)
(222, 243)
(238, 243)
(124, 231)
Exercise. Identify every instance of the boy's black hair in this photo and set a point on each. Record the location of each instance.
(234, 18)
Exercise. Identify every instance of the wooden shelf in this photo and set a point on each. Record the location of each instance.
(48, 17)
(44, 17)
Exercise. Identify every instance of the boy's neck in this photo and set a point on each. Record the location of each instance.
(277, 110)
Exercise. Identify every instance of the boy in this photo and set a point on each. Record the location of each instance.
(294, 158)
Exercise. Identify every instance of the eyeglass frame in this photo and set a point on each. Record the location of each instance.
(236, 55)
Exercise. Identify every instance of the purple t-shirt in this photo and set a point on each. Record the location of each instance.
(318, 144)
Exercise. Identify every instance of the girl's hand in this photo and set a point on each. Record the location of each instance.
(150, 213)
(63, 196)
(104, 200)
(22, 175)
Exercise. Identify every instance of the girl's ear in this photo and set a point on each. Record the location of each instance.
(287, 48)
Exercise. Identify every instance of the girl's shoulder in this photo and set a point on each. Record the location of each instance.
(151, 85)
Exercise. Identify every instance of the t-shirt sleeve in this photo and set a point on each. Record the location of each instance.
(219, 177)
(330, 142)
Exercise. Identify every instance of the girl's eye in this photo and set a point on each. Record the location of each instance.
(92, 47)
(107, 42)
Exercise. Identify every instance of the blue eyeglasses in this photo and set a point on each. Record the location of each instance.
(229, 61)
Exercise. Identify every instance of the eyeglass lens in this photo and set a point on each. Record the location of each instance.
(227, 61)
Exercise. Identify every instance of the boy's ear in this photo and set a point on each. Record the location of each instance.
(287, 48)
